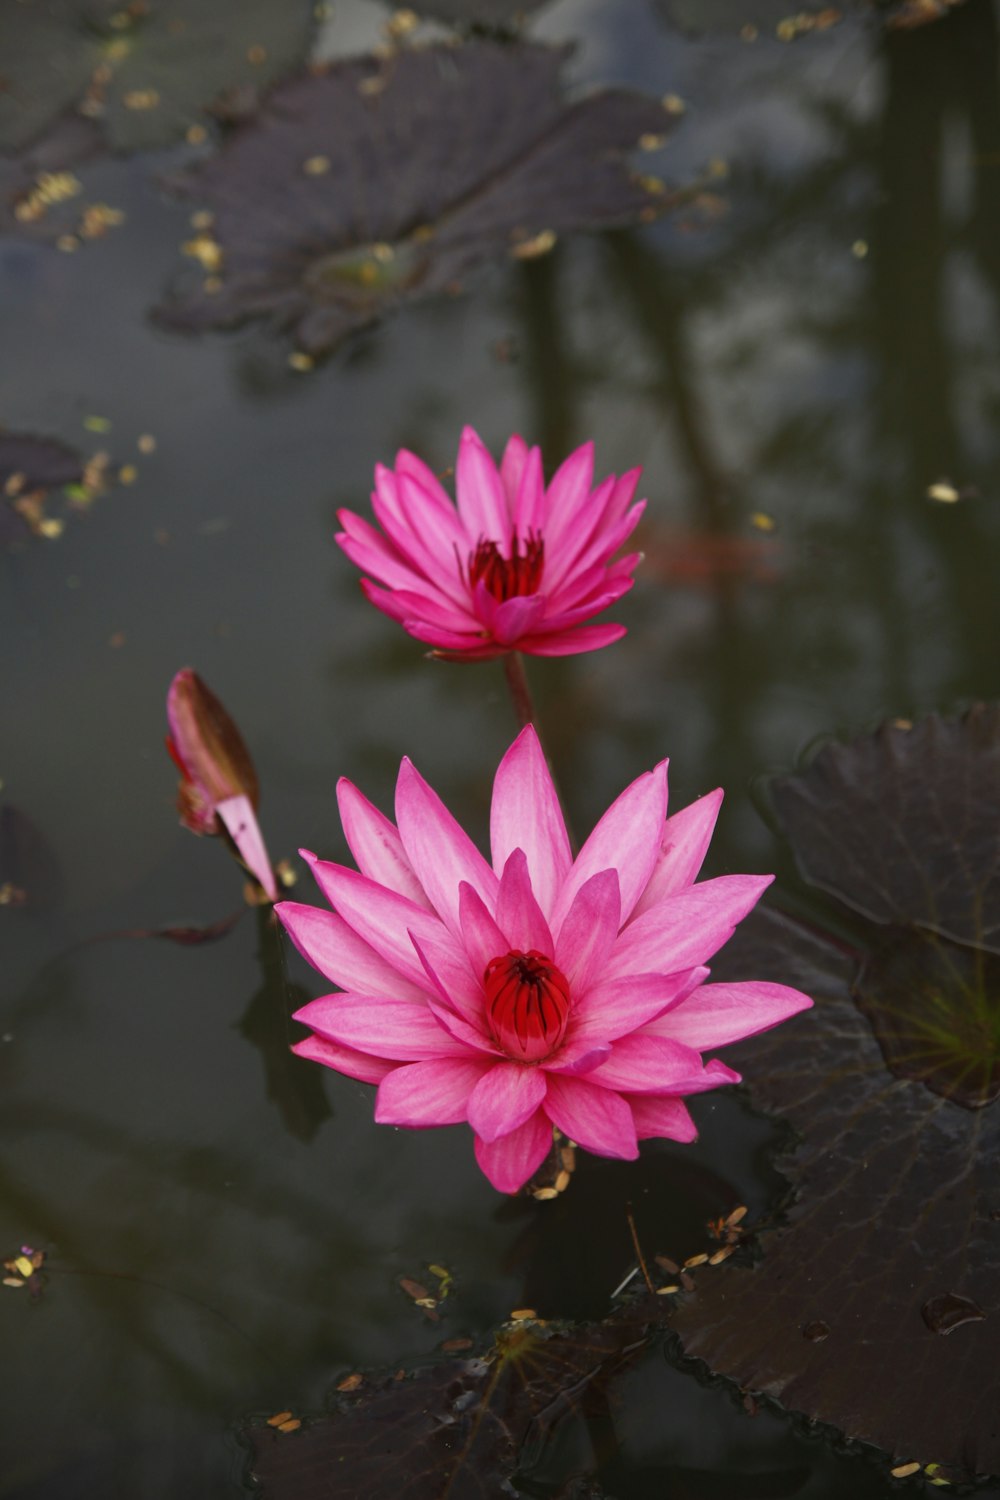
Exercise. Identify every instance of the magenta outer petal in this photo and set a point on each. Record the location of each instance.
(504, 1098)
(521, 615)
(344, 1059)
(326, 942)
(587, 936)
(683, 847)
(662, 1117)
(482, 937)
(376, 844)
(397, 1029)
(613, 1008)
(467, 1032)
(482, 503)
(440, 851)
(526, 815)
(451, 975)
(241, 824)
(519, 916)
(571, 642)
(686, 929)
(643, 1064)
(529, 495)
(594, 1117)
(720, 1013)
(409, 463)
(510, 1161)
(626, 839)
(428, 1093)
(567, 491)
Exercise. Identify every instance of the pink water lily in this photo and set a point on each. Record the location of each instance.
(538, 990)
(518, 565)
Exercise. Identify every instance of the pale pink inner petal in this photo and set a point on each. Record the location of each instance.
(429, 1093)
(438, 848)
(241, 824)
(504, 1098)
(685, 930)
(626, 839)
(587, 934)
(481, 936)
(683, 847)
(482, 502)
(665, 1117)
(594, 1117)
(512, 467)
(509, 1161)
(326, 941)
(519, 916)
(376, 845)
(717, 1014)
(398, 1029)
(346, 1060)
(526, 815)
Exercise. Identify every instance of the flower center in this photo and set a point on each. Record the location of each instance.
(505, 577)
(527, 1002)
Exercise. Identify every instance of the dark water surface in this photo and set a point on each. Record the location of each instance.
(813, 339)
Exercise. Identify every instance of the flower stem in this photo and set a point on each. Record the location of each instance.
(517, 685)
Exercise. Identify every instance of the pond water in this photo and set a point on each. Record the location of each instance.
(796, 355)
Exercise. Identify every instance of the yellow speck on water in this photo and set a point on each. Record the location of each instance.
(256, 55)
(539, 244)
(523, 1315)
(562, 1182)
(140, 99)
(673, 104)
(51, 528)
(943, 491)
(654, 185)
(315, 166)
(350, 1382)
(292, 1425)
(205, 250)
(195, 135)
(402, 23)
(695, 1260)
(98, 218)
(664, 1291)
(202, 219)
(97, 424)
(128, 474)
(718, 168)
(371, 86)
(737, 1214)
(762, 521)
(859, 249)
(23, 1266)
(749, 32)
(383, 253)
(721, 1255)
(903, 1471)
(545, 1194)
(301, 361)
(67, 243)
(146, 443)
(278, 1418)
(651, 142)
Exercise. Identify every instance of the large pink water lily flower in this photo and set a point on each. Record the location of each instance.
(539, 990)
(518, 566)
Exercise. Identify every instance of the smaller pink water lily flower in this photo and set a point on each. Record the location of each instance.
(518, 565)
(218, 785)
(537, 990)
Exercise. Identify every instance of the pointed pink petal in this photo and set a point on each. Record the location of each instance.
(398, 1029)
(588, 933)
(473, 646)
(437, 540)
(604, 543)
(429, 605)
(577, 542)
(571, 642)
(381, 917)
(519, 916)
(685, 930)
(376, 844)
(662, 1117)
(650, 1065)
(369, 550)
(567, 491)
(516, 617)
(578, 1056)
(720, 1013)
(512, 467)
(594, 1117)
(450, 972)
(428, 1093)
(611, 1008)
(526, 815)
(529, 504)
(482, 503)
(626, 839)
(440, 851)
(481, 937)
(504, 1098)
(509, 1161)
(409, 463)
(344, 1060)
(621, 498)
(567, 619)
(326, 942)
(683, 847)
(241, 824)
(462, 1030)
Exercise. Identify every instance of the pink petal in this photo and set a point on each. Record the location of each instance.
(450, 972)
(512, 467)
(595, 1118)
(588, 933)
(427, 604)
(571, 642)
(440, 851)
(482, 503)
(369, 550)
(467, 1032)
(326, 942)
(519, 916)
(662, 1117)
(516, 617)
(409, 463)
(481, 936)
(567, 491)
(376, 844)
(685, 930)
(621, 498)
(344, 1060)
(379, 916)
(577, 542)
(566, 619)
(472, 646)
(720, 1013)
(504, 1098)
(626, 839)
(526, 815)
(509, 1161)
(397, 1029)
(683, 847)
(606, 541)
(578, 1057)
(436, 540)
(529, 504)
(647, 1064)
(612, 1008)
(241, 824)
(428, 1093)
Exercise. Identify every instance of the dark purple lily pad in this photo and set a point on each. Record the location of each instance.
(461, 1428)
(875, 1304)
(486, 15)
(40, 195)
(29, 468)
(380, 180)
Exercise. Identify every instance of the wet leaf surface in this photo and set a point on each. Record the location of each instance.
(462, 1428)
(874, 1305)
(380, 180)
(145, 71)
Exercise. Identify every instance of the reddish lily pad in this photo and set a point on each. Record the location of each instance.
(379, 180)
(875, 1304)
(461, 1428)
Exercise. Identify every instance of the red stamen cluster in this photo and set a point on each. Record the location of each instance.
(505, 577)
(527, 1003)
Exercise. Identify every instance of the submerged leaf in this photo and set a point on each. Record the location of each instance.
(433, 160)
(893, 1237)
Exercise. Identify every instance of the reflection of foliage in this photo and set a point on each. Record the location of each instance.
(894, 1237)
(379, 180)
(464, 1427)
(146, 69)
(31, 467)
(491, 15)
